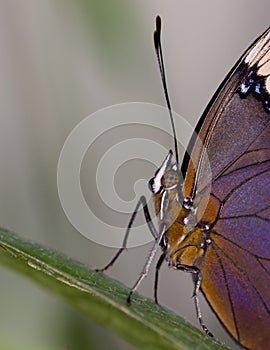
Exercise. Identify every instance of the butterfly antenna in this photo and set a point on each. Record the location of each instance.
(158, 48)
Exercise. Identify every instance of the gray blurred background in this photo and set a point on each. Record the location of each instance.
(61, 61)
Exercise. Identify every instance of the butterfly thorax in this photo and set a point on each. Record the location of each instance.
(188, 222)
(188, 235)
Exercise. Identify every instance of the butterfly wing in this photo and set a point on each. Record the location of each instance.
(230, 161)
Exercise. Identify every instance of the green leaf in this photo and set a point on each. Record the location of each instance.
(103, 299)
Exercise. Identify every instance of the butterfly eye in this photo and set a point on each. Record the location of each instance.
(170, 179)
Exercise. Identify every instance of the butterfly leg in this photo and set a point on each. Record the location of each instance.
(142, 201)
(148, 262)
(197, 283)
(158, 266)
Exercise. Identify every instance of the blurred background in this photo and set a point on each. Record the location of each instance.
(60, 62)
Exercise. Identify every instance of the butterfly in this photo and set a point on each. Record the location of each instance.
(214, 209)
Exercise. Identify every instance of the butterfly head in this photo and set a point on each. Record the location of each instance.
(167, 177)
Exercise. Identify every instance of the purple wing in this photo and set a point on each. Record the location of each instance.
(231, 158)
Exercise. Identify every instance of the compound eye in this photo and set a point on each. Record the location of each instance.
(170, 179)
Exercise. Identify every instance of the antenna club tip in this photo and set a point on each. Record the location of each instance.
(158, 23)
